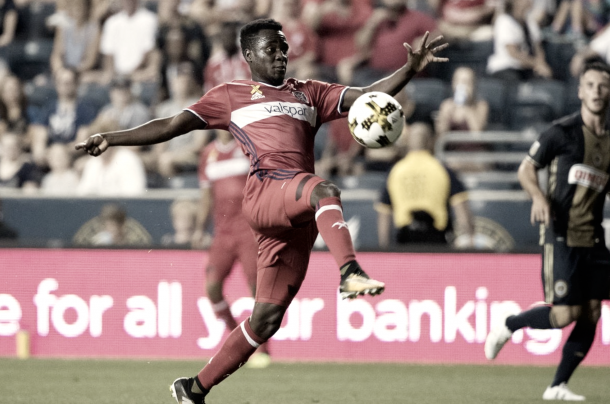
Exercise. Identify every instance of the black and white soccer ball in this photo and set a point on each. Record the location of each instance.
(376, 120)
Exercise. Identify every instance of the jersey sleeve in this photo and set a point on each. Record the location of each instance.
(545, 149)
(214, 108)
(327, 98)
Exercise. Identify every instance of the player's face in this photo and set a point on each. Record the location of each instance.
(594, 91)
(269, 57)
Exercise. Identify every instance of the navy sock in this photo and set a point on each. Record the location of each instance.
(538, 317)
(574, 351)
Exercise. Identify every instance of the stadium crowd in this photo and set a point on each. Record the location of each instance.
(72, 68)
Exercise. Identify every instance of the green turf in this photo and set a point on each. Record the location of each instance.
(50, 381)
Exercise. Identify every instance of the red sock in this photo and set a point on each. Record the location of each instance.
(223, 312)
(241, 343)
(332, 227)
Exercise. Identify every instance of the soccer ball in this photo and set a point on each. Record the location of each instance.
(375, 120)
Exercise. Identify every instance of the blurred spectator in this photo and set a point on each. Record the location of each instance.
(208, 14)
(76, 43)
(118, 173)
(581, 18)
(598, 48)
(8, 24)
(184, 216)
(464, 19)
(6, 231)
(61, 179)
(518, 53)
(342, 155)
(420, 196)
(16, 167)
(180, 39)
(61, 120)
(174, 49)
(226, 63)
(180, 153)
(124, 109)
(464, 111)
(336, 22)
(13, 106)
(390, 23)
(302, 40)
(128, 44)
(112, 228)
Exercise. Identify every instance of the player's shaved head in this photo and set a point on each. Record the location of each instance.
(248, 35)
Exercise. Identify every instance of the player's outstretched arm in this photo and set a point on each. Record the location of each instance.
(418, 60)
(152, 132)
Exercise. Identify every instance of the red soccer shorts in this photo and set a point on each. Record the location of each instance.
(280, 213)
(238, 244)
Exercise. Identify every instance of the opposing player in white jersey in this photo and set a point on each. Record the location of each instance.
(275, 119)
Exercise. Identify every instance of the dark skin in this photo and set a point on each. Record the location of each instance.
(268, 59)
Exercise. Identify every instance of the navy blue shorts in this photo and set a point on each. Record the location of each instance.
(573, 275)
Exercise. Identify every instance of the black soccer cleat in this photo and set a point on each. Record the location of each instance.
(181, 391)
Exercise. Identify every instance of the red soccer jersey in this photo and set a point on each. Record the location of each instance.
(224, 168)
(275, 125)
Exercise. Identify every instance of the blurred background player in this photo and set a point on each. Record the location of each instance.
(223, 170)
(575, 260)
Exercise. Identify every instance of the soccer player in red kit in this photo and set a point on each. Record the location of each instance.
(223, 170)
(275, 120)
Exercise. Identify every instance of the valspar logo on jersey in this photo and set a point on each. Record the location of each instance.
(258, 112)
(587, 176)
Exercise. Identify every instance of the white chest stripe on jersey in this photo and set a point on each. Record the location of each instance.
(264, 110)
(227, 168)
(587, 176)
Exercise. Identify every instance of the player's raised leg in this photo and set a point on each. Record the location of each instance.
(333, 228)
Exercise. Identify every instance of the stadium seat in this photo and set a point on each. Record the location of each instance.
(559, 52)
(495, 92)
(96, 94)
(427, 94)
(31, 58)
(463, 53)
(40, 95)
(572, 103)
(534, 103)
(32, 21)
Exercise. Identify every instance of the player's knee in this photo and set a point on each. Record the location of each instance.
(594, 311)
(266, 319)
(214, 291)
(325, 189)
(565, 315)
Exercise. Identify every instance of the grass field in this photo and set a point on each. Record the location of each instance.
(51, 381)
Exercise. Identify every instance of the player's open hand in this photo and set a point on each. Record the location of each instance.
(541, 212)
(94, 145)
(425, 54)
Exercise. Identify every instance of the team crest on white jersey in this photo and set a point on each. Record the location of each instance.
(299, 95)
(256, 92)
